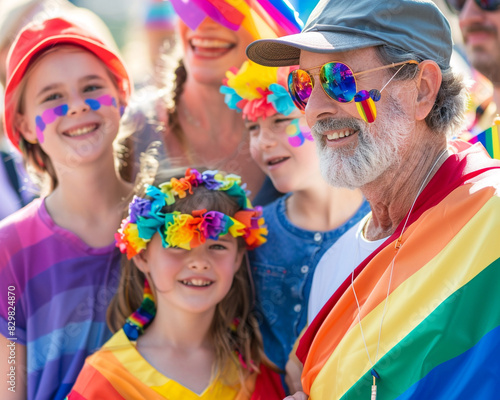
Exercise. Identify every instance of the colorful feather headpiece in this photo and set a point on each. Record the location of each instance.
(260, 92)
(257, 91)
(262, 18)
(189, 230)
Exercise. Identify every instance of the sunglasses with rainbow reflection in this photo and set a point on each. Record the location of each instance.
(339, 83)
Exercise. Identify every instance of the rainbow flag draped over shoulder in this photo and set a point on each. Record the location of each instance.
(262, 18)
(440, 336)
(490, 139)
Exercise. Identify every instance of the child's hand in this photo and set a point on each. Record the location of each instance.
(293, 371)
(297, 396)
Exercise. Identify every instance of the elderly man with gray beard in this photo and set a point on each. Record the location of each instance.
(412, 302)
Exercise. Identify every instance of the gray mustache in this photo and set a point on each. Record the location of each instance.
(330, 124)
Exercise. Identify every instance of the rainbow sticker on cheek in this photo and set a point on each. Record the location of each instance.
(47, 117)
(105, 100)
(365, 103)
(298, 133)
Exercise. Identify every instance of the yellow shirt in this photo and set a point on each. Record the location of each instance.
(118, 371)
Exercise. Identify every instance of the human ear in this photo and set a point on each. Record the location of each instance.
(141, 262)
(21, 124)
(428, 84)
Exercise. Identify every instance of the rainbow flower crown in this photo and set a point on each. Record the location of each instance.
(260, 92)
(189, 230)
(257, 91)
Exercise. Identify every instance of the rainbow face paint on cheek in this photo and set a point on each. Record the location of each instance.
(298, 132)
(366, 106)
(47, 117)
(105, 100)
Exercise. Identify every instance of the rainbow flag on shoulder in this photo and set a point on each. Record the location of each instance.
(490, 139)
(430, 324)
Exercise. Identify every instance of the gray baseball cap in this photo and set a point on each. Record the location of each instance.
(343, 25)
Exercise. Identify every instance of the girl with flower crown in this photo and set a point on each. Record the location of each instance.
(306, 221)
(192, 334)
(59, 266)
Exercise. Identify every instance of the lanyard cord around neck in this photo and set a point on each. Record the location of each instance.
(397, 247)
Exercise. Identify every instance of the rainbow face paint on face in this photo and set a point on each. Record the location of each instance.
(50, 115)
(298, 132)
(47, 117)
(366, 106)
(105, 100)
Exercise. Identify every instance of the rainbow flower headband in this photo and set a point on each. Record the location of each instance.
(189, 230)
(260, 92)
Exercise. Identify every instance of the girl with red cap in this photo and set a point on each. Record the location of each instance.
(59, 266)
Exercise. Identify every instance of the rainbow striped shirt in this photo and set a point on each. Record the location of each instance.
(119, 372)
(62, 290)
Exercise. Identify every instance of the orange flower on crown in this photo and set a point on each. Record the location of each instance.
(255, 230)
(181, 186)
(128, 240)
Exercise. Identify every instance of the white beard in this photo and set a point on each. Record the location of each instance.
(378, 148)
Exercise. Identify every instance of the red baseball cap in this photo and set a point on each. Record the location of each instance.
(37, 37)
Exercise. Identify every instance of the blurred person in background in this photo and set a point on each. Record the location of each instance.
(480, 26)
(150, 40)
(193, 121)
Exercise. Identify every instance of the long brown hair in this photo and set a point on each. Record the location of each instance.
(174, 125)
(234, 328)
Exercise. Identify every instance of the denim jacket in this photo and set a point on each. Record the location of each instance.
(282, 270)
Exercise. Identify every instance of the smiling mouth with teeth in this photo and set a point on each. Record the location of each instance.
(339, 135)
(196, 282)
(81, 131)
(210, 47)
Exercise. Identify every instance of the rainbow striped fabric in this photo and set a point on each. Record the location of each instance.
(367, 110)
(490, 139)
(262, 18)
(119, 372)
(440, 336)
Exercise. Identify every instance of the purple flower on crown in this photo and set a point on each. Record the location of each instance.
(139, 207)
(209, 179)
(195, 177)
(254, 224)
(214, 224)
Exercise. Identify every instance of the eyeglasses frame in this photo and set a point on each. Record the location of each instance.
(311, 76)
